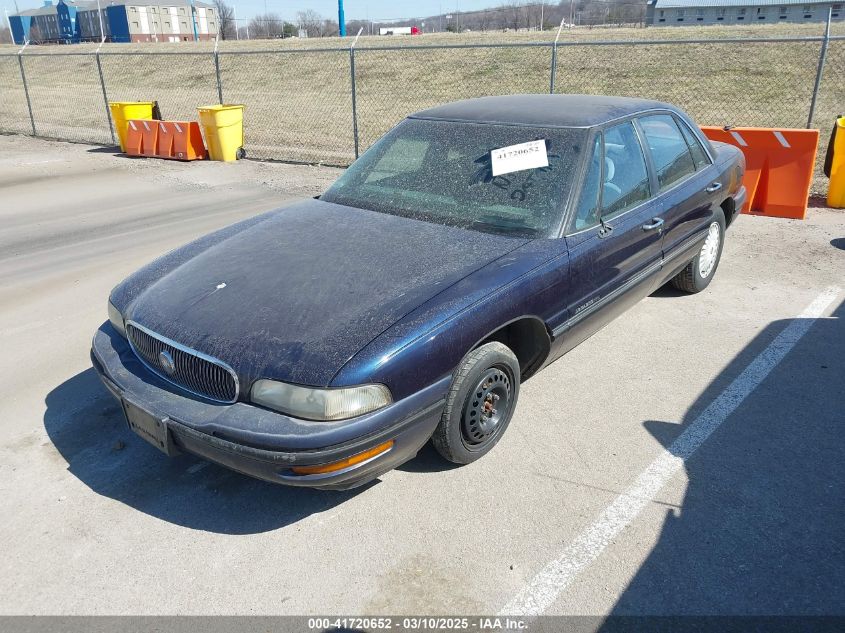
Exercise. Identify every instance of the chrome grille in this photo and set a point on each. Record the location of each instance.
(192, 371)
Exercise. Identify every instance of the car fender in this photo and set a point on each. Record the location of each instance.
(429, 343)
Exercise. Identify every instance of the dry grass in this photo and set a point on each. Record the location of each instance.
(299, 102)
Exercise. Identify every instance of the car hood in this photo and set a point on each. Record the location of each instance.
(297, 293)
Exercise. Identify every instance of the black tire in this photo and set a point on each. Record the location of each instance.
(691, 279)
(240, 153)
(471, 425)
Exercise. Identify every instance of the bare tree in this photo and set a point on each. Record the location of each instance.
(266, 26)
(5, 36)
(226, 19)
(311, 21)
(329, 28)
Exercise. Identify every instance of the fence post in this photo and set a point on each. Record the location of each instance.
(217, 70)
(26, 88)
(105, 95)
(554, 59)
(820, 70)
(354, 94)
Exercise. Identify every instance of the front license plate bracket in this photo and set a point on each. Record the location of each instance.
(150, 426)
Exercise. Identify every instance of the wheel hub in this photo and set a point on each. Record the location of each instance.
(486, 406)
(709, 251)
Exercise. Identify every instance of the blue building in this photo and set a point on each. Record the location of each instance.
(70, 21)
(48, 23)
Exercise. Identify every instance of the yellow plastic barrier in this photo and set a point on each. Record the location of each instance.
(224, 131)
(124, 111)
(836, 192)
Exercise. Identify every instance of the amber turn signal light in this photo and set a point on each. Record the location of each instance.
(331, 467)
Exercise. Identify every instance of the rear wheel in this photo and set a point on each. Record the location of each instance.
(699, 272)
(480, 404)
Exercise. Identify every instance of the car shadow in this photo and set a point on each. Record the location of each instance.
(668, 291)
(428, 460)
(86, 426)
(759, 530)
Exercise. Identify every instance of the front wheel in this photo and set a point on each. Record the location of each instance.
(699, 272)
(480, 404)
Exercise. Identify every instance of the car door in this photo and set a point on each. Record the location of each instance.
(613, 239)
(685, 181)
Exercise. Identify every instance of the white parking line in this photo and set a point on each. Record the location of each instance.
(539, 594)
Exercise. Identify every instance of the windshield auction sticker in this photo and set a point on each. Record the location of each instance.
(530, 155)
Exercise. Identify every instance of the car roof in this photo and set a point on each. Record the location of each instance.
(542, 110)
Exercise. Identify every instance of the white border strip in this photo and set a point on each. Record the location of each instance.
(536, 597)
(738, 138)
(781, 138)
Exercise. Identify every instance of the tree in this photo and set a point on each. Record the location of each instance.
(329, 28)
(5, 36)
(266, 26)
(226, 19)
(311, 22)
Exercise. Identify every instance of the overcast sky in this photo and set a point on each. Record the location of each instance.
(355, 9)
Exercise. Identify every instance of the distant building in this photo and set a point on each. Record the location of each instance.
(70, 21)
(691, 12)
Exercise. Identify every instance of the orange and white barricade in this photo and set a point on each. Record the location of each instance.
(779, 167)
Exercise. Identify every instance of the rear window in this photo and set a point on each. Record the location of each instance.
(443, 172)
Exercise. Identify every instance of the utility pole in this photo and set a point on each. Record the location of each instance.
(457, 16)
(194, 20)
(100, 14)
(9, 24)
(341, 19)
(235, 20)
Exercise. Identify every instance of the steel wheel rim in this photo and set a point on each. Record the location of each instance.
(487, 405)
(709, 251)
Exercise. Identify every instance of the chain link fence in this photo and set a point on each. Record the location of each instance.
(327, 105)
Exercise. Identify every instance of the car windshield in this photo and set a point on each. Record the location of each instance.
(504, 179)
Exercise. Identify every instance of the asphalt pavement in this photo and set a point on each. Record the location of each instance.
(688, 459)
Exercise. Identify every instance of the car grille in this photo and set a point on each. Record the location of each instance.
(192, 371)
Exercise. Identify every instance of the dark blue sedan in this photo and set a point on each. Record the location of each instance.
(324, 343)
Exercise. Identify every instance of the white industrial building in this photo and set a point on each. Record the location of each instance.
(691, 12)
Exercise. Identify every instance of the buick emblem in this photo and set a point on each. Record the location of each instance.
(165, 360)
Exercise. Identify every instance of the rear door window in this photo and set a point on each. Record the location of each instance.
(669, 150)
(699, 156)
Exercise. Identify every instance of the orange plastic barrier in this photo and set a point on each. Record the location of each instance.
(187, 140)
(180, 140)
(779, 167)
(133, 138)
(149, 137)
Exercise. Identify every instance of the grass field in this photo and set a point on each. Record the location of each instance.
(299, 103)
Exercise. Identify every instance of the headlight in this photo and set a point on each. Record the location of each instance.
(116, 319)
(310, 403)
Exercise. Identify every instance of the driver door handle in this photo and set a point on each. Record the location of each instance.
(714, 187)
(656, 223)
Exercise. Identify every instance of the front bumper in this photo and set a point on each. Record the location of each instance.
(263, 443)
(740, 199)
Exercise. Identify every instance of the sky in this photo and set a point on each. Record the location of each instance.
(355, 9)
